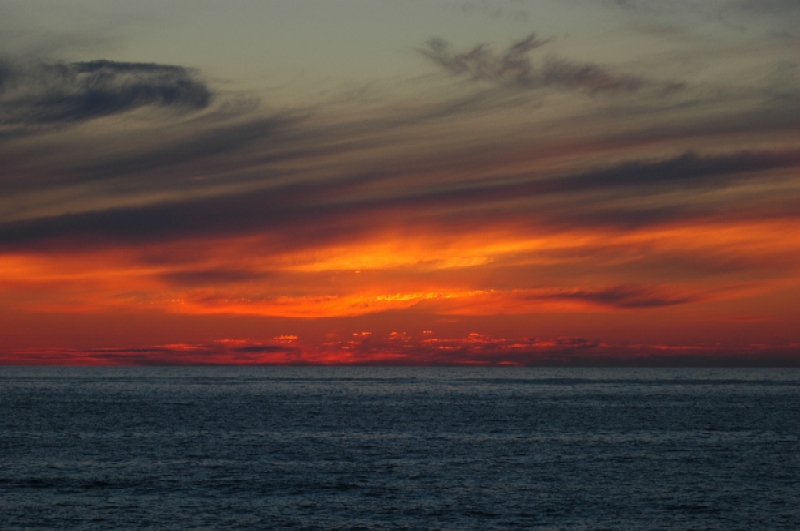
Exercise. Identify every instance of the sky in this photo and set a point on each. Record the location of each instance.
(437, 182)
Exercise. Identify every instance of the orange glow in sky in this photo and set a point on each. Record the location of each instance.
(490, 199)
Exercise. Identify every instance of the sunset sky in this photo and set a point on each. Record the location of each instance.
(400, 182)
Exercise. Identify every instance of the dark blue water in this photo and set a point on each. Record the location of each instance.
(392, 448)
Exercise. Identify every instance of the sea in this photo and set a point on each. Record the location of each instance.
(399, 448)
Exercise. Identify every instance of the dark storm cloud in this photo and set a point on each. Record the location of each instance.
(314, 212)
(513, 67)
(37, 94)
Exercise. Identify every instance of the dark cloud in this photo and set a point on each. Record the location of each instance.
(205, 277)
(513, 67)
(481, 62)
(38, 94)
(225, 352)
(6, 76)
(197, 148)
(261, 349)
(589, 77)
(623, 297)
(471, 350)
(171, 164)
(685, 173)
(558, 352)
(315, 212)
(688, 170)
(212, 216)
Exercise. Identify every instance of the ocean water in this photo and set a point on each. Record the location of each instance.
(398, 448)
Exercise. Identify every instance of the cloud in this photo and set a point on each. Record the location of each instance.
(217, 276)
(199, 147)
(513, 67)
(41, 94)
(314, 212)
(222, 352)
(687, 170)
(171, 164)
(586, 76)
(622, 297)
(400, 350)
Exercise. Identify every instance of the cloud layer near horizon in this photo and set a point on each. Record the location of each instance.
(399, 350)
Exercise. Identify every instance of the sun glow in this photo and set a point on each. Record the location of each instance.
(425, 272)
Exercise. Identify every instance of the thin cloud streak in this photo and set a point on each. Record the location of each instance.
(401, 350)
(513, 67)
(332, 209)
(332, 203)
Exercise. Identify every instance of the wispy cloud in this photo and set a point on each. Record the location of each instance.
(340, 204)
(630, 297)
(40, 94)
(399, 349)
(222, 352)
(513, 67)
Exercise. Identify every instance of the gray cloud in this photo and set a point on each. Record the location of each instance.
(308, 213)
(688, 172)
(213, 148)
(39, 94)
(557, 352)
(623, 297)
(205, 277)
(215, 353)
(513, 67)
(197, 148)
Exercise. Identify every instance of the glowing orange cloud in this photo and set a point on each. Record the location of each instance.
(446, 275)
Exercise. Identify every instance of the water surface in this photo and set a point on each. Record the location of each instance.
(399, 448)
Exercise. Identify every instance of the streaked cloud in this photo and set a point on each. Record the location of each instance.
(340, 202)
(399, 349)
